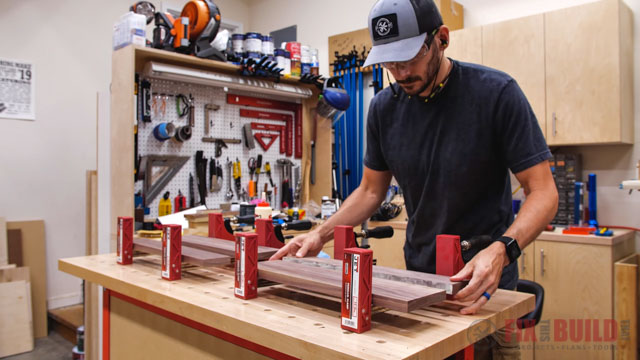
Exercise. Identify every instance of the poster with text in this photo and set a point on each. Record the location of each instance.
(17, 90)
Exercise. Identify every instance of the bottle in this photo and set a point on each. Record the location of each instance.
(328, 207)
(315, 64)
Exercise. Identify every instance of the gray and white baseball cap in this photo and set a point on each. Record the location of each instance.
(398, 28)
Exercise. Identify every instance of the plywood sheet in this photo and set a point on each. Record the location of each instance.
(34, 256)
(16, 327)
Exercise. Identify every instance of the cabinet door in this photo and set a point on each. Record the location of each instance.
(526, 263)
(577, 281)
(465, 45)
(586, 62)
(516, 47)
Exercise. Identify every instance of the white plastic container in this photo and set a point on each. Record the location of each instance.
(130, 29)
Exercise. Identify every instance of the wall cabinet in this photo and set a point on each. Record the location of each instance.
(575, 67)
(589, 74)
(465, 45)
(515, 47)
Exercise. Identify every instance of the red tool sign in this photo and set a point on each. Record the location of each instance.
(125, 240)
(277, 105)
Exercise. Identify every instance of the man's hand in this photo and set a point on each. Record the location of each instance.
(308, 244)
(484, 272)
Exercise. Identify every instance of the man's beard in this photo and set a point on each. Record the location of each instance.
(419, 84)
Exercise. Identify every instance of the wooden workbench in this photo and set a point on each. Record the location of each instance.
(198, 317)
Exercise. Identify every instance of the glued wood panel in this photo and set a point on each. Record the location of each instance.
(386, 293)
(189, 255)
(388, 273)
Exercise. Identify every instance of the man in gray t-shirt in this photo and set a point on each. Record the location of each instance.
(449, 132)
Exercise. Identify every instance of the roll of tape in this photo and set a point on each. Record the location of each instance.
(183, 133)
(164, 131)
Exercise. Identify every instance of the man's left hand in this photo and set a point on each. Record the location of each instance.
(484, 272)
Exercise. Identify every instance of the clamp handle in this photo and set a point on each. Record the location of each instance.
(297, 225)
(379, 232)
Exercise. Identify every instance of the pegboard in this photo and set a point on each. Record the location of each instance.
(226, 123)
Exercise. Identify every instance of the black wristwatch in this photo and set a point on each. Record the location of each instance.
(513, 249)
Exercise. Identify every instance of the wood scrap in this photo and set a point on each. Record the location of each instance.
(388, 273)
(393, 295)
(222, 246)
(34, 256)
(189, 255)
(16, 323)
(14, 246)
(3, 242)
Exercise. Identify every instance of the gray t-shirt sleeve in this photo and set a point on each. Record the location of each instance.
(522, 144)
(374, 158)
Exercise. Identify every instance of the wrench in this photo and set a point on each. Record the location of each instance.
(229, 195)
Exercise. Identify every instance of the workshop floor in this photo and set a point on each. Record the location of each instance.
(52, 347)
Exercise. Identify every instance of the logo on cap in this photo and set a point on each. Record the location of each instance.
(384, 26)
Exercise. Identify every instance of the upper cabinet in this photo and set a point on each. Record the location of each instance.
(465, 45)
(515, 47)
(575, 66)
(589, 74)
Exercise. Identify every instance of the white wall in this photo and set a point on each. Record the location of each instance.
(612, 163)
(43, 162)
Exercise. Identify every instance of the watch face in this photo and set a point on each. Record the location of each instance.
(513, 250)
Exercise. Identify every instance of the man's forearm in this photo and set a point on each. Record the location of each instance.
(536, 213)
(355, 210)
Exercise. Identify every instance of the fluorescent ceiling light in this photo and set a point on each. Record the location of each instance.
(178, 73)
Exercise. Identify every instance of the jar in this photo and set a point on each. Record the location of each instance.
(237, 44)
(305, 60)
(267, 45)
(281, 59)
(253, 42)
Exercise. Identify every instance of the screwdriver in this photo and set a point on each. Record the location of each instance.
(267, 169)
(258, 169)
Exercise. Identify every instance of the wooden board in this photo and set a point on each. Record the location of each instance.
(189, 255)
(14, 246)
(386, 293)
(221, 246)
(4, 257)
(299, 325)
(388, 273)
(91, 293)
(16, 325)
(34, 257)
(626, 303)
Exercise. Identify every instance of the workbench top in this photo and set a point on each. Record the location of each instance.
(619, 235)
(295, 322)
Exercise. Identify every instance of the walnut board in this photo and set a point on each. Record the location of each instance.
(293, 322)
(383, 272)
(189, 255)
(386, 293)
(222, 246)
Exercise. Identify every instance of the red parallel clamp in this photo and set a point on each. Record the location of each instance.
(125, 240)
(171, 252)
(357, 282)
(246, 266)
